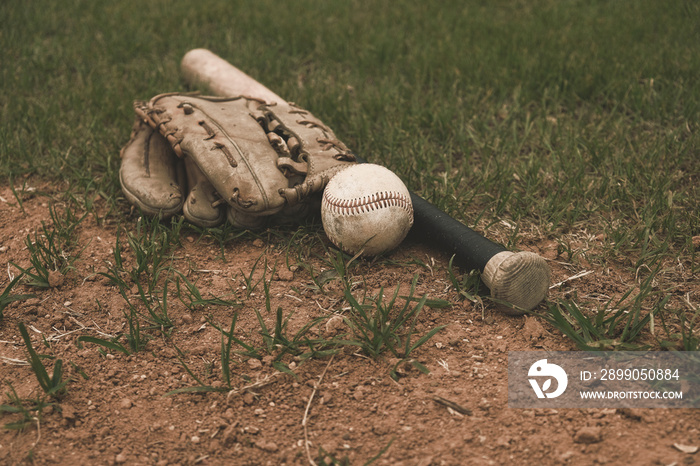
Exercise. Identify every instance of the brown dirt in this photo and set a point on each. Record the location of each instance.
(118, 413)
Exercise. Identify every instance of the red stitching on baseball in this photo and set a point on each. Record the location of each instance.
(367, 203)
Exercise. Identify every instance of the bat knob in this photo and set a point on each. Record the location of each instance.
(520, 279)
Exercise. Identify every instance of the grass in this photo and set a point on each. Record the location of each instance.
(615, 325)
(52, 250)
(563, 122)
(6, 298)
(496, 113)
(380, 325)
(540, 129)
(53, 385)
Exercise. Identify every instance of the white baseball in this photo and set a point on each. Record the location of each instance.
(366, 208)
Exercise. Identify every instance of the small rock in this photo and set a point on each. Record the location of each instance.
(532, 329)
(229, 414)
(126, 403)
(690, 449)
(248, 398)
(564, 457)
(326, 398)
(334, 325)
(503, 441)
(285, 275)
(68, 412)
(121, 458)
(56, 278)
(195, 439)
(258, 243)
(588, 435)
(187, 319)
(359, 393)
(254, 363)
(266, 446)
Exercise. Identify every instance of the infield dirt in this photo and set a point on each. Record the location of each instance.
(116, 410)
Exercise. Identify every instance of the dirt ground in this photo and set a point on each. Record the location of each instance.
(115, 410)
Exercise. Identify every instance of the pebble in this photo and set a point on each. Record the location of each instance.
(690, 449)
(258, 243)
(588, 435)
(266, 446)
(334, 325)
(285, 275)
(68, 412)
(126, 403)
(484, 404)
(359, 393)
(230, 414)
(254, 363)
(56, 278)
(564, 457)
(248, 398)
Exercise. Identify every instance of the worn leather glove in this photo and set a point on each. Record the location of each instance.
(233, 158)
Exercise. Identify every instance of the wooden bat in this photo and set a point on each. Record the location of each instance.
(520, 279)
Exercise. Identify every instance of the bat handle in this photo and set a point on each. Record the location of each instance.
(521, 279)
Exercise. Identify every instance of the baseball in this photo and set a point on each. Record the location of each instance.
(366, 208)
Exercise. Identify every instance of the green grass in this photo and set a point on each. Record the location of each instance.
(569, 119)
(53, 385)
(7, 298)
(53, 248)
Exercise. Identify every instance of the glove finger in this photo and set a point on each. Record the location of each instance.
(245, 221)
(199, 207)
(151, 175)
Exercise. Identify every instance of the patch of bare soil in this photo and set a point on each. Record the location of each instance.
(116, 410)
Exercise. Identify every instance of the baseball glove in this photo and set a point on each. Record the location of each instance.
(234, 158)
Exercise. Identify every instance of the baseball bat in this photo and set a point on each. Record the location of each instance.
(520, 279)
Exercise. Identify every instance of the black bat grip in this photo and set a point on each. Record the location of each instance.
(432, 226)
